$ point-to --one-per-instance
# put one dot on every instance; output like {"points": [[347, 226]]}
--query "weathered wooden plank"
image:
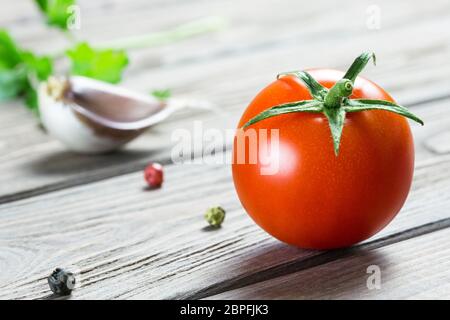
{"points": [[129, 243], [53, 168], [413, 269]]}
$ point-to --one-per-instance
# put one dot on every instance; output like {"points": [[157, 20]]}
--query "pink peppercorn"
{"points": [[153, 174]]}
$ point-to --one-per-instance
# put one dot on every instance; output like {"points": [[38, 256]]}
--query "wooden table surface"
{"points": [[91, 214]]}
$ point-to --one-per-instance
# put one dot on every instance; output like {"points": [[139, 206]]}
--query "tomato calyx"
{"points": [[334, 103]]}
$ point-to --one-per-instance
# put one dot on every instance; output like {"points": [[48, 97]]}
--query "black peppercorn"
{"points": [[61, 282]]}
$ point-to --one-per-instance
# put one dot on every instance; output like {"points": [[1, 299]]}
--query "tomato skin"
{"points": [[316, 199]]}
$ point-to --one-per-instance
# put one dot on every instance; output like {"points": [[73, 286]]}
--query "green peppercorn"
{"points": [[215, 216], [61, 282]]}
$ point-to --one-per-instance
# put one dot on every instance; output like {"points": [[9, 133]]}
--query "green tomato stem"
{"points": [[359, 64], [334, 103], [342, 89]]}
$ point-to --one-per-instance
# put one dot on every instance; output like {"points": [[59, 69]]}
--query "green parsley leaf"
{"points": [[38, 69], [42, 4], [106, 65], [41, 67], [12, 83], [9, 53], [56, 11], [162, 95], [31, 99], [20, 71]]}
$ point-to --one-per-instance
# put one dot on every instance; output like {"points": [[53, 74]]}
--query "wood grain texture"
{"points": [[227, 68], [92, 214], [126, 242], [413, 269]]}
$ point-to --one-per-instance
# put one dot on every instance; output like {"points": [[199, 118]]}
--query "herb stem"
{"points": [[184, 31]]}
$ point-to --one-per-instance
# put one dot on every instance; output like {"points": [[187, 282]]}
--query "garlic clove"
{"points": [[77, 132], [111, 105], [91, 116]]}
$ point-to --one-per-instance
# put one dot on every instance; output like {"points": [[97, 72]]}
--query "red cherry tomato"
{"points": [[317, 199]]}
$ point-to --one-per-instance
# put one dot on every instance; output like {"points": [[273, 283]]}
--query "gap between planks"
{"points": [[317, 260], [100, 174], [107, 174], [133, 167], [145, 262], [413, 269]]}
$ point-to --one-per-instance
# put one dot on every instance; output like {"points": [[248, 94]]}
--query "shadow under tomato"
{"points": [[309, 274]]}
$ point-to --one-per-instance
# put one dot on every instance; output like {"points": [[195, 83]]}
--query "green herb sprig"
{"points": [[21, 70], [56, 12]]}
